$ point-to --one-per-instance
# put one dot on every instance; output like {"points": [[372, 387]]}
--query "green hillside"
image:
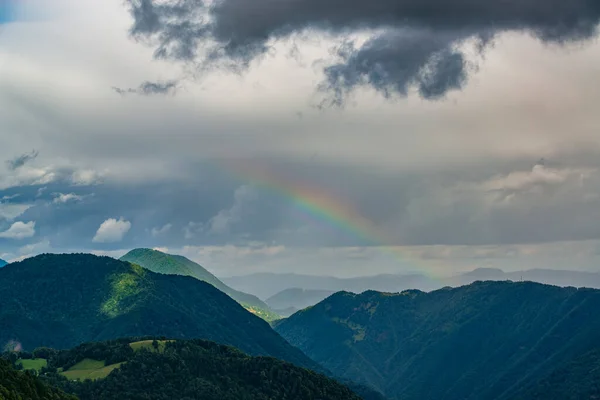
{"points": [[61, 301], [162, 263], [488, 340], [18, 385], [579, 379], [2, 263], [188, 369]]}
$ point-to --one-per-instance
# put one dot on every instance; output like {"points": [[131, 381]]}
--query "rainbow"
{"points": [[322, 206]]}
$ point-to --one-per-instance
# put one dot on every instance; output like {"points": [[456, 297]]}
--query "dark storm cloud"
{"points": [[416, 45], [21, 160], [150, 88], [393, 62]]}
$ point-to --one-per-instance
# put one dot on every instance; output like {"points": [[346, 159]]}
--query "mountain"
{"points": [[265, 285], [547, 276], [577, 380], [488, 340], [16, 385], [162, 263], [61, 301], [289, 301], [2, 263], [158, 369]]}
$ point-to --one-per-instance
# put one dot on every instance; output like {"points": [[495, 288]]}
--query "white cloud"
{"points": [[11, 211], [86, 177], [156, 231], [112, 230], [62, 198], [19, 230], [29, 176], [538, 176]]}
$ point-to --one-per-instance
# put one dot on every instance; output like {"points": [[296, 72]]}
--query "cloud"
{"points": [[86, 177], [61, 198], [112, 230], [64, 172], [192, 229], [412, 43], [19, 230], [21, 160], [10, 211], [539, 176], [244, 196], [150, 88], [159, 231]]}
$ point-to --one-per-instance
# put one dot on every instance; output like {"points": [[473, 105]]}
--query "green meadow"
{"points": [[34, 364], [89, 369]]}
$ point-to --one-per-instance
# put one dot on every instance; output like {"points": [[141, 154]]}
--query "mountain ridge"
{"points": [[163, 263], [3, 263], [60, 301], [266, 285], [482, 341]]}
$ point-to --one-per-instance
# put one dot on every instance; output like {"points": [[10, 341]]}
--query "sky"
{"points": [[304, 136]]}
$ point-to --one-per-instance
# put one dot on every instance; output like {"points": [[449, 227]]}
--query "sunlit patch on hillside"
{"points": [[125, 288]]}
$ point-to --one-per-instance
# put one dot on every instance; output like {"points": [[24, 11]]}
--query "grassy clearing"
{"points": [[267, 315], [89, 369], [147, 344], [34, 364]]}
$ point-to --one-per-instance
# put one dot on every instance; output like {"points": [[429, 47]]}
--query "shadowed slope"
{"points": [[488, 340]]}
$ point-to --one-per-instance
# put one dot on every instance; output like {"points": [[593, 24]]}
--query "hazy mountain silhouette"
{"points": [[289, 301], [265, 285]]}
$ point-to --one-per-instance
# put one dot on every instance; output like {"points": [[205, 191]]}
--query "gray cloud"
{"points": [[21, 160], [416, 44], [150, 88]]}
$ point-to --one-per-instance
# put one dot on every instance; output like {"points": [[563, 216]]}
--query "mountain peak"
{"points": [[102, 298], [402, 344], [170, 264], [2, 263], [485, 272]]}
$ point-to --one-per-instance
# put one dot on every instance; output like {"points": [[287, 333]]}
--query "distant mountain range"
{"points": [[265, 285], [163, 263], [2, 263], [61, 301], [484, 341], [289, 301], [156, 369], [268, 285]]}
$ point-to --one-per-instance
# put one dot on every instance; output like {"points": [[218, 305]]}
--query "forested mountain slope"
{"points": [[488, 340], [18, 385], [187, 369], [61, 301], [163, 263]]}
